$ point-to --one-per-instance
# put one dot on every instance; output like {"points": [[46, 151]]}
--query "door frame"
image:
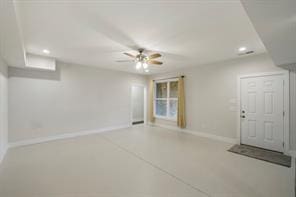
{"points": [[131, 102], [283, 73]]}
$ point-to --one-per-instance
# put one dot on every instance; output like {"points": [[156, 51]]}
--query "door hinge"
{"points": [[283, 113], [283, 144]]}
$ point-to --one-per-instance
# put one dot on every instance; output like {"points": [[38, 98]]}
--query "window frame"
{"points": [[168, 99]]}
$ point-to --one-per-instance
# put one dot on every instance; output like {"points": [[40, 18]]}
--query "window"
{"points": [[166, 99]]}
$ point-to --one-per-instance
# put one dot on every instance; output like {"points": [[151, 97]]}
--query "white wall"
{"points": [[138, 103], [78, 98], [211, 93], [3, 109]]}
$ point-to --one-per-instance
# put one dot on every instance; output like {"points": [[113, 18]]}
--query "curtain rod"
{"points": [[168, 78]]}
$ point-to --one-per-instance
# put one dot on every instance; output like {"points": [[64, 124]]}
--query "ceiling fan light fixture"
{"points": [[138, 65], [142, 60], [145, 65]]}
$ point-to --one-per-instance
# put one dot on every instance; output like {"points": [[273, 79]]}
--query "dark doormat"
{"points": [[262, 154]]}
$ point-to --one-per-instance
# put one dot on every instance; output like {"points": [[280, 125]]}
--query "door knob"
{"points": [[242, 116], [243, 111]]}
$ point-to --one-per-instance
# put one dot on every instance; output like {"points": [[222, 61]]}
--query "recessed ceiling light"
{"points": [[146, 70], [46, 51], [241, 49]]}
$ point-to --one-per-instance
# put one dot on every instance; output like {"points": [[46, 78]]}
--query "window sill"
{"points": [[166, 118]]}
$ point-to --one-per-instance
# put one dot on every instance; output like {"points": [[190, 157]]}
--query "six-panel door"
{"points": [[262, 108]]}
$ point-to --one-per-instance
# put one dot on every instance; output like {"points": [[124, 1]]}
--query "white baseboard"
{"points": [[198, 133], [63, 136]]}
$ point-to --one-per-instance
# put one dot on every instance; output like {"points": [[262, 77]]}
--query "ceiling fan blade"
{"points": [[124, 60], [153, 56], [155, 62], [130, 55]]}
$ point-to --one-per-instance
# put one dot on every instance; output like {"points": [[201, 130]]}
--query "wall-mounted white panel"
{"points": [[40, 62]]}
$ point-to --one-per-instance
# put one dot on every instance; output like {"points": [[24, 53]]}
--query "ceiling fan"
{"points": [[143, 60]]}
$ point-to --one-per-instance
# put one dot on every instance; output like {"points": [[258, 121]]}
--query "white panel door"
{"points": [[262, 112]]}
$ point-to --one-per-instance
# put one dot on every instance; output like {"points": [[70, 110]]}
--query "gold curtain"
{"points": [[181, 121], [151, 98]]}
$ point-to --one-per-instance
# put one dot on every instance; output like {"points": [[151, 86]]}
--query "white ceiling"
{"points": [[275, 22], [96, 33]]}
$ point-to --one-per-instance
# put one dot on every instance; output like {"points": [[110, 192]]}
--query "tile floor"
{"points": [[139, 162]]}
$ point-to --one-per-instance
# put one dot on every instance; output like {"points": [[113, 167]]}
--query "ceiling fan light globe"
{"points": [[138, 65], [145, 65]]}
